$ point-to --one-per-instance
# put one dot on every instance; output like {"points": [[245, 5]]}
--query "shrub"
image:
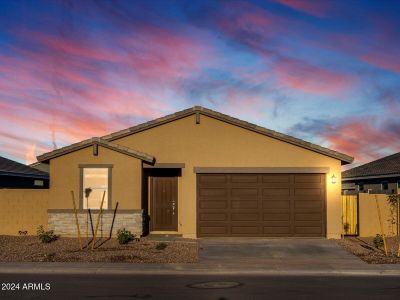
{"points": [[378, 241], [49, 255], [161, 246], [46, 236], [124, 236]]}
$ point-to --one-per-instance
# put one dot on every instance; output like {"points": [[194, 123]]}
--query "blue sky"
{"points": [[324, 71]]}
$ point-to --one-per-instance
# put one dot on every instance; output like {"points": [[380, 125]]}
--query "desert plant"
{"points": [[124, 236], [46, 236], [161, 246], [378, 241], [49, 254]]}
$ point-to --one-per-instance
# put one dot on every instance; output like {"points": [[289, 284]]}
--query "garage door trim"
{"points": [[261, 170]]}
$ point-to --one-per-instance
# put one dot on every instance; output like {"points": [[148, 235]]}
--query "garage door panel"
{"points": [[274, 178], [308, 192], [308, 216], [307, 223], [213, 192], [307, 204], [213, 204], [244, 204], [213, 179], [209, 229], [309, 178], [244, 193], [308, 230], [275, 230], [276, 223], [276, 216], [261, 205], [245, 217], [276, 204], [244, 178], [276, 192], [213, 217], [245, 230]]}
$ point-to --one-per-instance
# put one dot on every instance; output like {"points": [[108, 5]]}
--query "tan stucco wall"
{"points": [[213, 143], [368, 215], [22, 210], [65, 176]]}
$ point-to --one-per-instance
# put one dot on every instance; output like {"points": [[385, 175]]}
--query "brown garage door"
{"points": [[261, 205]]}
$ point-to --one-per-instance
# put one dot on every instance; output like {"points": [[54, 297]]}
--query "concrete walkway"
{"points": [[244, 256]]}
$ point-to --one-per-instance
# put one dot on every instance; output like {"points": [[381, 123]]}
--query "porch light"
{"points": [[333, 179]]}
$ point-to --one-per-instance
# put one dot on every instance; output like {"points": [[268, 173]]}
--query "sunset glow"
{"points": [[322, 71]]}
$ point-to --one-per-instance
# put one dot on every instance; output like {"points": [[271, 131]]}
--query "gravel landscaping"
{"points": [[29, 249], [364, 248]]}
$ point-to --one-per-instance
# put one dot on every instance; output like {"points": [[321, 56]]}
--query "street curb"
{"points": [[184, 270]]}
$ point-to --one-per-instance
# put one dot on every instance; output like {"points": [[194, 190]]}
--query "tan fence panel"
{"points": [[368, 215], [22, 210], [350, 214]]}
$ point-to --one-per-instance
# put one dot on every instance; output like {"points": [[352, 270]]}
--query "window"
{"points": [[97, 180], [360, 187], [385, 186], [398, 184]]}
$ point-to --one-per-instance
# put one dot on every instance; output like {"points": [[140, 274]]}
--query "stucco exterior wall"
{"points": [[214, 143], [22, 210], [65, 177], [368, 215]]}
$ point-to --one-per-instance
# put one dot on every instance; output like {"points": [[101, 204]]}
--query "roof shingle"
{"points": [[384, 166], [13, 168]]}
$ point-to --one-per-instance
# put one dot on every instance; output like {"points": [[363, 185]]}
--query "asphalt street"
{"points": [[198, 287]]}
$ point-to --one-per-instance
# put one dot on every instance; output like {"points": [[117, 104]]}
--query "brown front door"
{"points": [[164, 204]]}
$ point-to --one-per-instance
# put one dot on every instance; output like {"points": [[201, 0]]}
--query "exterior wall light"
{"points": [[333, 179]]}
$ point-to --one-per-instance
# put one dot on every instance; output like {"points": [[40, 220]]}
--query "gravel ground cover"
{"points": [[364, 248], [29, 249]]}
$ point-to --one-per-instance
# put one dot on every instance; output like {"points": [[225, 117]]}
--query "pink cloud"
{"points": [[299, 75], [364, 138], [384, 60], [316, 8]]}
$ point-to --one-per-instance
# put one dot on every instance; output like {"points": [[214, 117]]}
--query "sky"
{"points": [[326, 71]]}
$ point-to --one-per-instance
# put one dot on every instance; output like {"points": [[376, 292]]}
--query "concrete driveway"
{"points": [[276, 254]]}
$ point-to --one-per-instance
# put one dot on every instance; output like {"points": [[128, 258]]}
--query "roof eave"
{"points": [[60, 152], [370, 177]]}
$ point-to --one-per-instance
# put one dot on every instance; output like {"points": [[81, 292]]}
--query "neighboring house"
{"points": [[380, 176], [14, 175], [200, 173], [40, 166]]}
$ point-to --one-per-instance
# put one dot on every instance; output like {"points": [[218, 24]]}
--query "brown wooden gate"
{"points": [[350, 214]]}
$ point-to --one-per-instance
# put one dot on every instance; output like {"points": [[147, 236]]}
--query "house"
{"points": [[381, 176], [199, 173], [14, 175]]}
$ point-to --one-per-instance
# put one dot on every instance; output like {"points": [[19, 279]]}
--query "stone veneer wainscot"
{"points": [[62, 221]]}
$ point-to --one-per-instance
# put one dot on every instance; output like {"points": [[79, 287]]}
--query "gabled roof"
{"points": [[86, 143], [12, 168], [389, 165], [345, 159]]}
